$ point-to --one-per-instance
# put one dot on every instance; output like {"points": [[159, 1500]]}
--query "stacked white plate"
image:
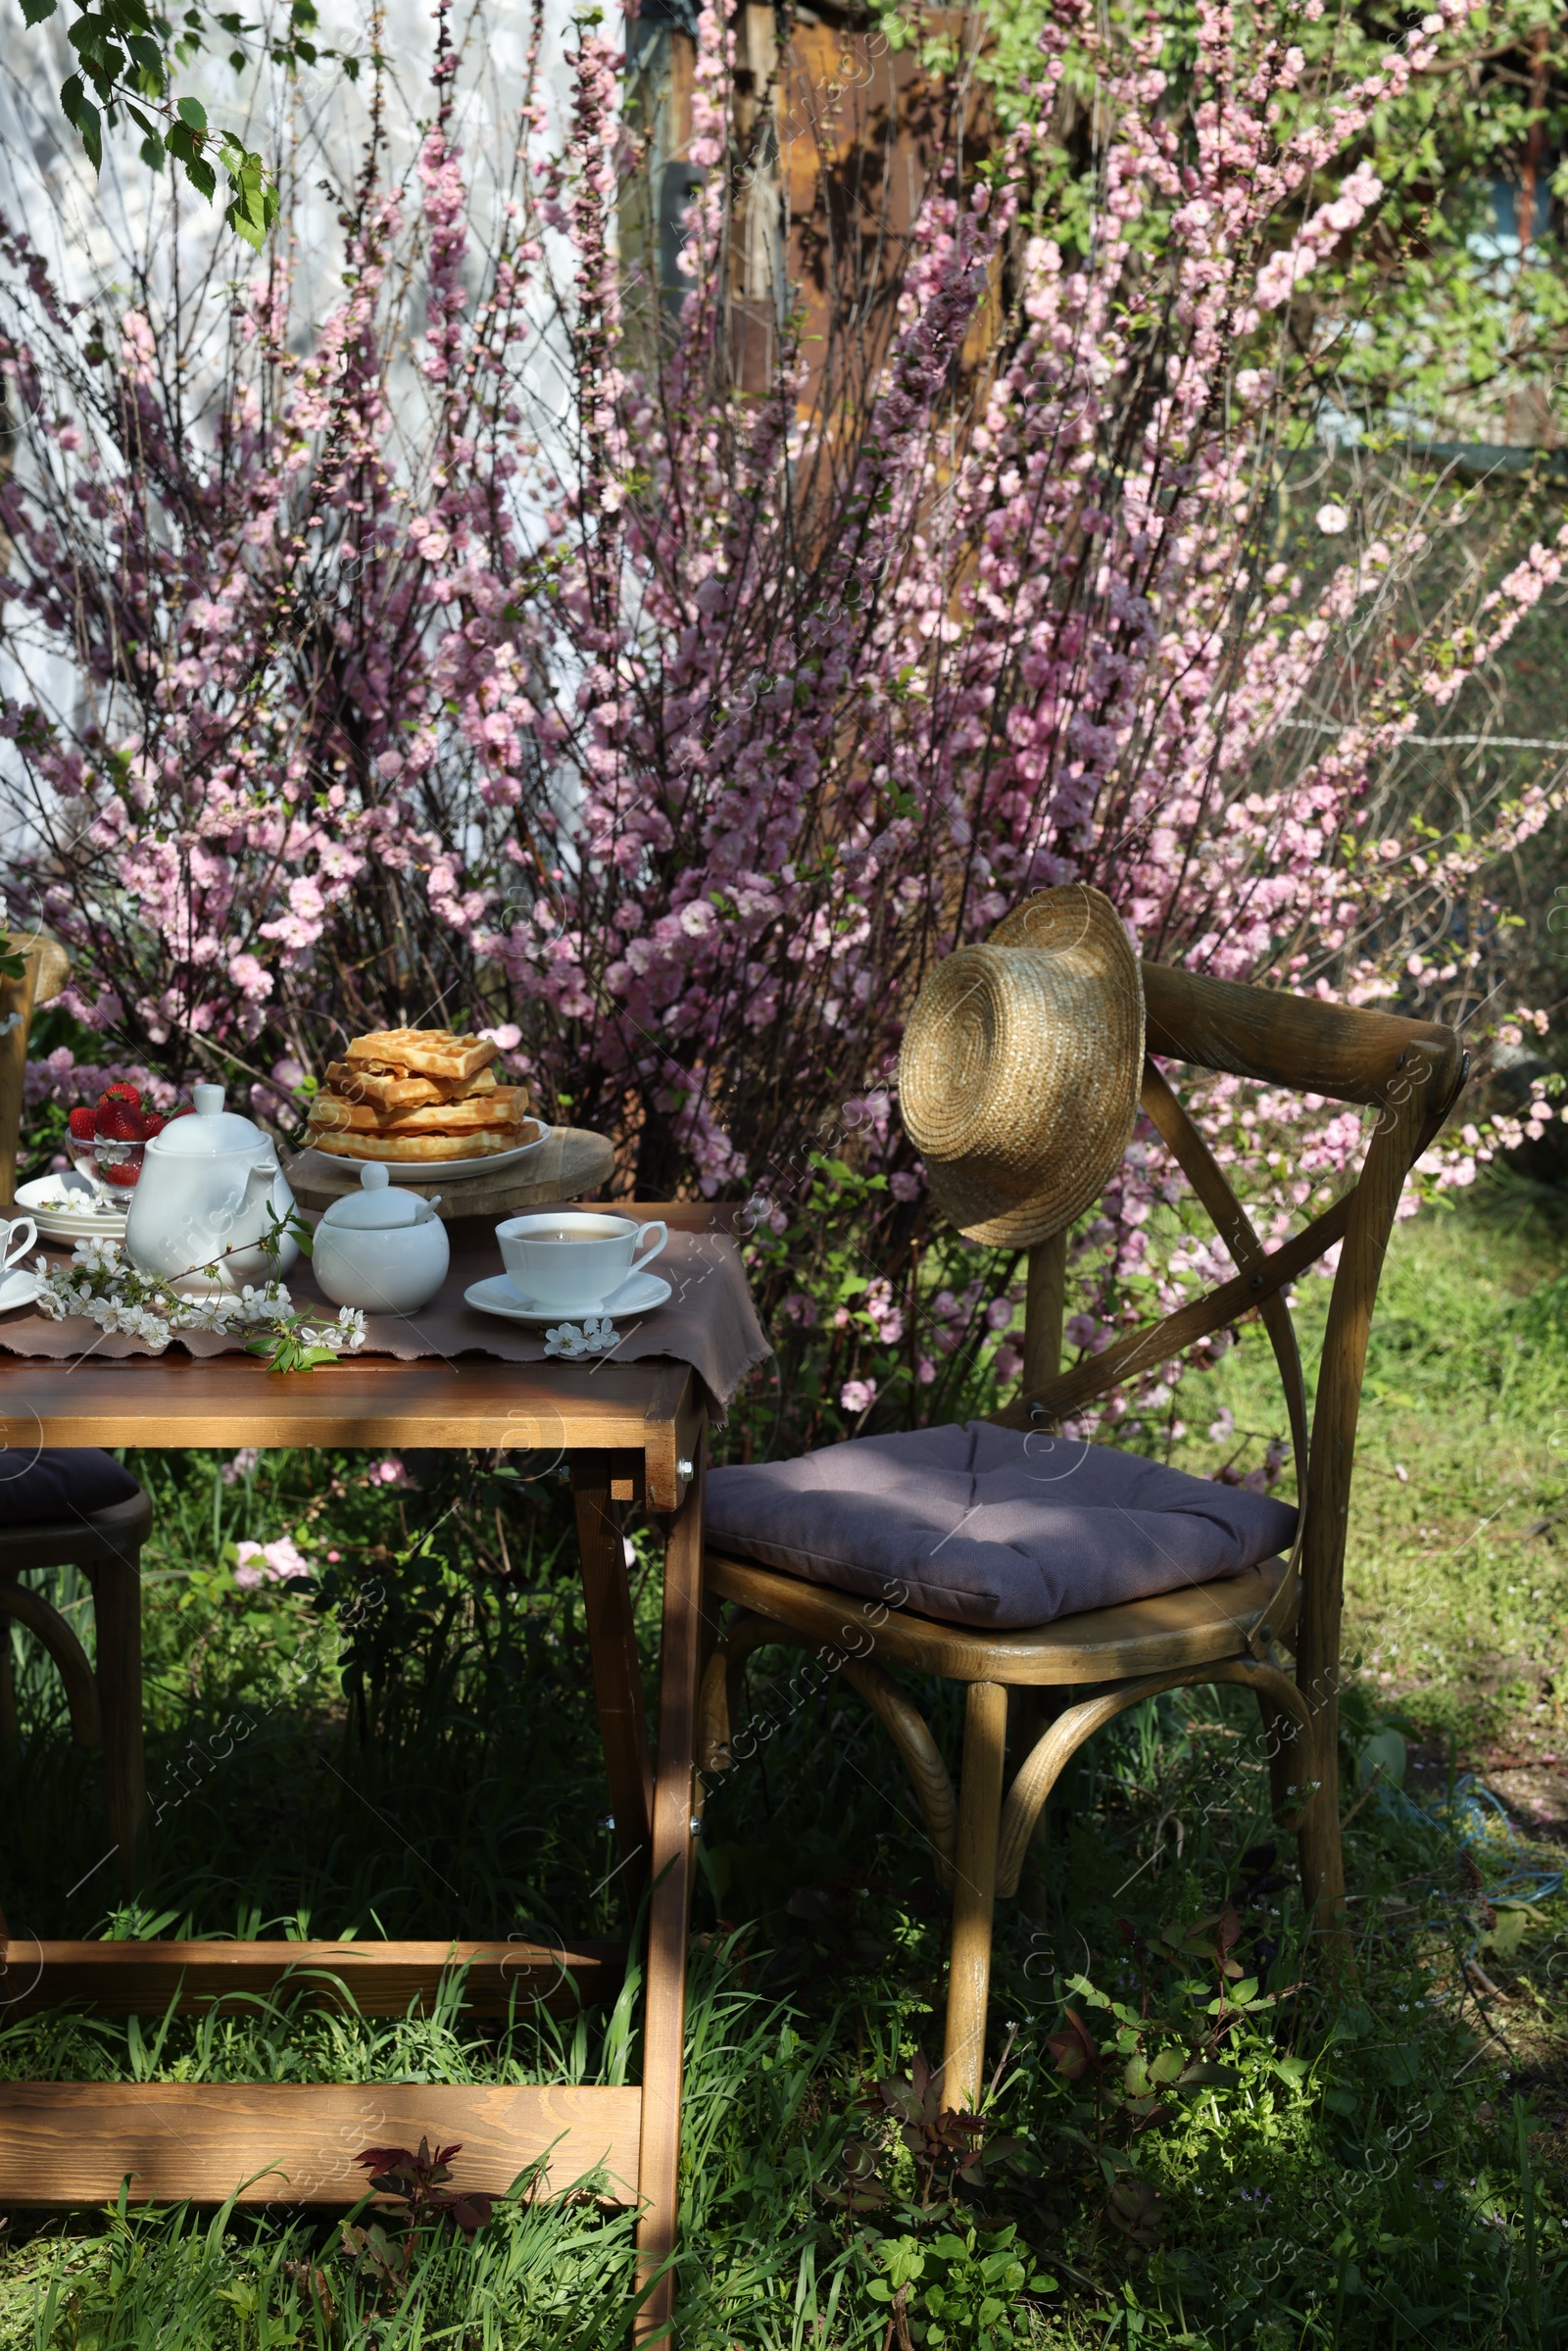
{"points": [[424, 1171], [71, 1208]]}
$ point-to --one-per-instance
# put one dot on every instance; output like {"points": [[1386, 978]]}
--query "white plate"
{"points": [[72, 1224], [638, 1296], [450, 1172], [18, 1288]]}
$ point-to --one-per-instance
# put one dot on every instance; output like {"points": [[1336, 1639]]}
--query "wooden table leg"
{"points": [[617, 1677], [674, 1867]]}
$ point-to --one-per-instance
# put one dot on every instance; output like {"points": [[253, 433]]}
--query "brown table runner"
{"points": [[709, 1321]]}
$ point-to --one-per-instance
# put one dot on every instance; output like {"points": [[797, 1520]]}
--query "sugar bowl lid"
{"points": [[378, 1207]]}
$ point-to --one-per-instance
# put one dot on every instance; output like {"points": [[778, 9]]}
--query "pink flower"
{"points": [[269, 1562], [857, 1396]]}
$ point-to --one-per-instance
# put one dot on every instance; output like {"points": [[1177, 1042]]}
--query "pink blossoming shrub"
{"points": [[670, 745]]}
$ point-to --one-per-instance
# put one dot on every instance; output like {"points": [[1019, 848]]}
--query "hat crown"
{"points": [[1019, 1075]]}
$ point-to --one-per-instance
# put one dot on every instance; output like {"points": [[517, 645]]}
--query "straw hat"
{"points": [[1020, 1076]]}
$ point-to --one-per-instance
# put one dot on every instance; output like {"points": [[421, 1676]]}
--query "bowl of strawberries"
{"points": [[108, 1137]]}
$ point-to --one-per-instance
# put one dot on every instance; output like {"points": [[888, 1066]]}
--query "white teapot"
{"points": [[380, 1248], [210, 1194]]}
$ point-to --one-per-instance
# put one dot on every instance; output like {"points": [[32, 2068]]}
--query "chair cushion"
{"points": [[985, 1526], [68, 1482]]}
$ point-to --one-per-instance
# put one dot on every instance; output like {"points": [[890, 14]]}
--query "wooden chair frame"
{"points": [[1232, 1632], [104, 1705]]}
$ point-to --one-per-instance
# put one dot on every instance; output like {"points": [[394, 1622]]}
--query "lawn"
{"points": [[1176, 2154]]}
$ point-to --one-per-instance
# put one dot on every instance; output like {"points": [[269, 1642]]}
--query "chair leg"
{"points": [[1290, 1761], [985, 1738], [9, 1727], [116, 1611]]}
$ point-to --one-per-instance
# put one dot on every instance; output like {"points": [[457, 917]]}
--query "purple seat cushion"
{"points": [[67, 1482], [985, 1526]]}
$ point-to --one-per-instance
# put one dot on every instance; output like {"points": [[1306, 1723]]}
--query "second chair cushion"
{"points": [[63, 1481], [985, 1526]]}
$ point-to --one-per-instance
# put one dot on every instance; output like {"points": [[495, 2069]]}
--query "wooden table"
{"points": [[628, 1432]]}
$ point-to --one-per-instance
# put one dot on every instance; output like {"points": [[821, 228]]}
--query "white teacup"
{"points": [[572, 1259], [17, 1237]]}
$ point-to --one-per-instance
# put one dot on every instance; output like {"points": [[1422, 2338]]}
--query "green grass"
{"points": [[410, 1752]]}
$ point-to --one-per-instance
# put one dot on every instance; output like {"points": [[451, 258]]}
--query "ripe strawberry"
{"points": [[119, 1092], [122, 1175], [116, 1123], [153, 1122], [80, 1123]]}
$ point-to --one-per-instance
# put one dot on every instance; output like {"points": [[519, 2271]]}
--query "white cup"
{"points": [[17, 1237], [571, 1259]]}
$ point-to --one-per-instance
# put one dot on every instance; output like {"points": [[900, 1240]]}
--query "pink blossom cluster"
{"points": [[672, 744]]}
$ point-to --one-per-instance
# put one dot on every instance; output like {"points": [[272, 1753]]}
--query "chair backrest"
{"points": [[44, 970], [1412, 1070]]}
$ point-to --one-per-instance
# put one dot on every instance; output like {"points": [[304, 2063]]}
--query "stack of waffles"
{"points": [[417, 1093]]}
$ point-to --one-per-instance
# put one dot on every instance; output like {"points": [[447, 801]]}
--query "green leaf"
{"points": [[191, 112], [203, 178], [33, 12], [253, 202], [84, 119], [1206, 2075], [150, 58]]}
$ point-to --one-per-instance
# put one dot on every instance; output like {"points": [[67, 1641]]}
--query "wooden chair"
{"points": [[104, 1705], [1229, 1631]]}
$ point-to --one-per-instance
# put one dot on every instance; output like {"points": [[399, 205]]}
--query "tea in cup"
{"points": [[571, 1259]]}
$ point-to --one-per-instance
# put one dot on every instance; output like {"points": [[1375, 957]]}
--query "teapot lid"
{"points": [[212, 1132], [378, 1205]]}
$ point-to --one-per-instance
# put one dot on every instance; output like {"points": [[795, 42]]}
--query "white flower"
{"points": [[1332, 519], [596, 1337]]}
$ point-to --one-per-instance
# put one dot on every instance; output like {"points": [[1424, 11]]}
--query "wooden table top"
{"points": [[649, 1412]]}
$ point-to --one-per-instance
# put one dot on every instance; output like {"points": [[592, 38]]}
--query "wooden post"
{"points": [[1044, 1306], [674, 1867], [974, 1872], [618, 1674], [44, 975]]}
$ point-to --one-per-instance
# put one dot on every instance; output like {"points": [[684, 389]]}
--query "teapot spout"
{"points": [[259, 1180]]}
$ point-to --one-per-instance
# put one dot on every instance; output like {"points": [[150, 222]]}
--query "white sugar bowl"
{"points": [[380, 1248]]}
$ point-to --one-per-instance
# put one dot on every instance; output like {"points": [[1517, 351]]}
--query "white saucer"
{"points": [[18, 1288], [453, 1171], [497, 1296]]}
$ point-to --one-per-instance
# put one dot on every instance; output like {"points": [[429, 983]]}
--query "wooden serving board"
{"points": [[570, 1162]]}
